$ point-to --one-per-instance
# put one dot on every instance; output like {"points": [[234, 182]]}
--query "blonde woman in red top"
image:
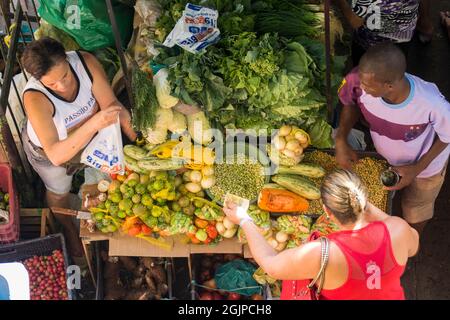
{"points": [[367, 258]]}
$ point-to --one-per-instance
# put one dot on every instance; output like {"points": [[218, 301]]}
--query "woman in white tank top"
{"points": [[68, 100]]}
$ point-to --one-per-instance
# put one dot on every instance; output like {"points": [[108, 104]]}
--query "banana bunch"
{"points": [[194, 154]]}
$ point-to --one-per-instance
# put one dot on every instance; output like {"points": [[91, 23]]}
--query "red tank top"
{"points": [[373, 272]]}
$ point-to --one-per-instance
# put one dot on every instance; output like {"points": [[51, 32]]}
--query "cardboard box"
{"points": [[124, 245], [225, 246], [246, 252]]}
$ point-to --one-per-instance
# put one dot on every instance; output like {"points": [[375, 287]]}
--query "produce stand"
{"points": [[251, 76]]}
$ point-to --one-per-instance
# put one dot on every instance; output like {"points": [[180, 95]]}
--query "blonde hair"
{"points": [[345, 195]]}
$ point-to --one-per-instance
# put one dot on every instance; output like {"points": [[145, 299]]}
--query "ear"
{"points": [[327, 211]]}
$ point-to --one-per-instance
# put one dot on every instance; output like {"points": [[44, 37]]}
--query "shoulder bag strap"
{"points": [[325, 254]]}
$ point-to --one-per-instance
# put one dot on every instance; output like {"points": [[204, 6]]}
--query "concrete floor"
{"points": [[426, 276]]}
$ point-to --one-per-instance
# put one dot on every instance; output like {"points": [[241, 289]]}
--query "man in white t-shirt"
{"points": [[409, 122]]}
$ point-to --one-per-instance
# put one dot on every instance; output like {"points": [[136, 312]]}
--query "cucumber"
{"points": [[156, 164], [299, 185], [310, 170], [133, 165], [134, 152]]}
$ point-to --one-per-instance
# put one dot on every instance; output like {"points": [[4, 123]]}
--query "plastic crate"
{"points": [[9, 232], [23, 250]]}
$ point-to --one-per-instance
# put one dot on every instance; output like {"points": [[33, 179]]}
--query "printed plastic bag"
{"points": [[105, 151], [195, 30]]}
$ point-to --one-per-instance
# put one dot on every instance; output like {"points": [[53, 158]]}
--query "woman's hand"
{"points": [[230, 210], [106, 117]]}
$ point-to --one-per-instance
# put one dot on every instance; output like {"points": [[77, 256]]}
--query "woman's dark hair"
{"points": [[345, 195], [41, 55]]}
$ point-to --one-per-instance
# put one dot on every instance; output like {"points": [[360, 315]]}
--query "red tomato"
{"points": [[212, 232], [134, 230], [146, 230], [113, 176], [207, 241]]}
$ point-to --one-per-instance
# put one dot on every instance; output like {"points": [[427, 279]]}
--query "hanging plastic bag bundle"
{"points": [[195, 30]]}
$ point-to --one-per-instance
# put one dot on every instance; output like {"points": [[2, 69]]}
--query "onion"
{"points": [[102, 197], [193, 187], [289, 153], [196, 176], [208, 170], [229, 233], [187, 176], [208, 182], [298, 152], [103, 185], [281, 246], [301, 137], [279, 143], [228, 224], [281, 236], [284, 130], [272, 242], [293, 145], [289, 138], [220, 228]]}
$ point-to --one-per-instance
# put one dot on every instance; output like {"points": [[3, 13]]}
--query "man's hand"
{"points": [[230, 210], [346, 157], [408, 174]]}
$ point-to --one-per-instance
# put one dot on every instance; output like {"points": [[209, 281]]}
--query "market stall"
{"points": [[230, 97]]}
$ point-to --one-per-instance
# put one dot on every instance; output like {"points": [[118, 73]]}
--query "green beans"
{"points": [[240, 176]]}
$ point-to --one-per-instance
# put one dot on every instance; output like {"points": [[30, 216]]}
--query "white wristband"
{"points": [[243, 216]]}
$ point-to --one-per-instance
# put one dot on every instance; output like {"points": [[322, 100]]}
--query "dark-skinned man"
{"points": [[409, 122]]}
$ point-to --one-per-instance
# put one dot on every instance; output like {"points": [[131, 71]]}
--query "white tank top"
{"points": [[68, 115]]}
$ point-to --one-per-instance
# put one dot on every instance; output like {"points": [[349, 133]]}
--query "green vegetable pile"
{"points": [[267, 70]]}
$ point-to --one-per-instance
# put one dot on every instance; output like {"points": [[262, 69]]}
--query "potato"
{"points": [[129, 263]]}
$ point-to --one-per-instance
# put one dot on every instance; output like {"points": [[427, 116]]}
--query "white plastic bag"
{"points": [[105, 151], [195, 30]]}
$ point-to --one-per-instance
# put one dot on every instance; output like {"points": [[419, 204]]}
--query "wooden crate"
{"points": [[35, 223]]}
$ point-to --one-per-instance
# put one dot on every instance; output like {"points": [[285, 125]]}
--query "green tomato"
{"points": [[162, 175], [104, 230], [132, 183], [116, 197], [122, 214], [139, 209], [198, 203], [161, 202], [176, 207], [112, 228], [136, 198], [108, 203], [106, 222], [140, 189], [99, 216], [201, 235], [146, 200], [156, 211], [101, 205], [125, 204], [158, 185]]}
